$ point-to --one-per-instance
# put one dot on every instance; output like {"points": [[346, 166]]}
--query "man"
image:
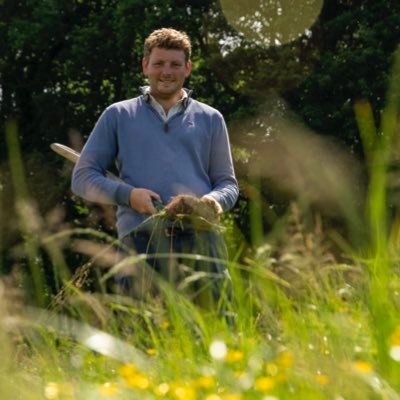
{"points": [[164, 144]]}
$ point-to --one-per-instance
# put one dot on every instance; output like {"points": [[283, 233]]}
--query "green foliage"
{"points": [[356, 41]]}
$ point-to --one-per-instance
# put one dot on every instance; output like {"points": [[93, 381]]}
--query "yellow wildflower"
{"points": [[232, 396], [213, 397], [285, 359], [151, 352], [205, 382], [394, 339], [184, 392], [362, 366], [322, 379], [264, 384], [133, 377], [162, 389], [127, 370], [108, 389], [233, 356], [165, 325], [138, 381]]}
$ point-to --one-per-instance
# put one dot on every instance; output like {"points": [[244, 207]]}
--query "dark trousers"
{"points": [[193, 261]]}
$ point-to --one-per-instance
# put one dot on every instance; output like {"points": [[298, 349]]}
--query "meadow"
{"points": [[314, 315]]}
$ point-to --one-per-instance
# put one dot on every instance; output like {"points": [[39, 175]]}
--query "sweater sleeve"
{"points": [[89, 179], [221, 171]]}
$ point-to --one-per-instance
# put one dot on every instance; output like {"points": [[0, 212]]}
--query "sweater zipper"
{"points": [[166, 126], [165, 123]]}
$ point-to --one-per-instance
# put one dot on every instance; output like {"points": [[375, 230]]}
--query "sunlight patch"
{"points": [[272, 23]]}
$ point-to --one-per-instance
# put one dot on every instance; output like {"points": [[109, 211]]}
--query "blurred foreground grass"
{"points": [[309, 323], [305, 328]]}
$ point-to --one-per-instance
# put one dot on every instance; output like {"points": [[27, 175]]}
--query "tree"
{"points": [[356, 41]]}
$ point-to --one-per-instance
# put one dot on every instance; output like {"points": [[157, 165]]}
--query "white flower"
{"points": [[218, 350], [395, 353]]}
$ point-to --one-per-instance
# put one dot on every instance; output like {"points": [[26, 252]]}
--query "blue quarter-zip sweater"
{"points": [[187, 154]]}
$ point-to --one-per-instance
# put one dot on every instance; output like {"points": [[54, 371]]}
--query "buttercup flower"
{"points": [[213, 397], [151, 352], [127, 370], [233, 356], [165, 325], [232, 396], [264, 384], [205, 382], [362, 366], [394, 339], [184, 392], [138, 381], [285, 359], [322, 379], [108, 389]]}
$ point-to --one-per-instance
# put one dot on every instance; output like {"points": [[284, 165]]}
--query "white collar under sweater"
{"points": [[172, 111]]}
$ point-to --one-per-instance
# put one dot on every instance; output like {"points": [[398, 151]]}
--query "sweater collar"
{"points": [[146, 95]]}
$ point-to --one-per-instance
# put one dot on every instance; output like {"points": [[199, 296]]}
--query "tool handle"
{"points": [[73, 156]]}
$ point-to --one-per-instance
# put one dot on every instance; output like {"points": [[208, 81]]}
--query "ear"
{"points": [[145, 63], [188, 68]]}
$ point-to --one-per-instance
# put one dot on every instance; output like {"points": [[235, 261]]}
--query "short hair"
{"points": [[168, 38]]}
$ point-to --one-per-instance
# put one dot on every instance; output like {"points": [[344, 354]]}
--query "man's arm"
{"points": [[89, 179], [225, 190]]}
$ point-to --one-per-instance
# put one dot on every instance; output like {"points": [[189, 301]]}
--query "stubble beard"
{"points": [[168, 91]]}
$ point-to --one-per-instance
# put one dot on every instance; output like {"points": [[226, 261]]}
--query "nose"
{"points": [[166, 70]]}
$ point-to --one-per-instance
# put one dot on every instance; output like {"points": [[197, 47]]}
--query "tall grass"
{"points": [[304, 322]]}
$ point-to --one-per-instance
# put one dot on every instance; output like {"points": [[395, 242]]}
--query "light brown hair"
{"points": [[168, 38]]}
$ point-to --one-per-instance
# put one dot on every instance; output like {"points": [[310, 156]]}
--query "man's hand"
{"points": [[214, 202], [205, 207], [141, 200]]}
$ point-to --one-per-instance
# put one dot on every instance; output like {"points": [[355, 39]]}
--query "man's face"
{"points": [[166, 71]]}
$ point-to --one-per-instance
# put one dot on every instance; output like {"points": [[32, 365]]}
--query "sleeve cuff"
{"points": [[122, 194]]}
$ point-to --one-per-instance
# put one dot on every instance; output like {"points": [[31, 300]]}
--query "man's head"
{"points": [[166, 63], [170, 39]]}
